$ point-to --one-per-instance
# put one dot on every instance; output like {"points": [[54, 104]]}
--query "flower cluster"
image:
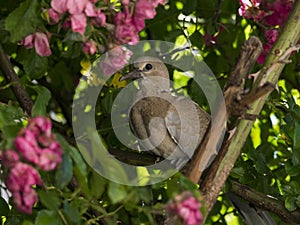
{"points": [[74, 14], [129, 24], [88, 17], [37, 145], [80, 11], [270, 15], [250, 9], [187, 208]]}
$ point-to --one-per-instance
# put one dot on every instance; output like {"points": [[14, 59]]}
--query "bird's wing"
{"points": [[137, 125], [186, 123]]}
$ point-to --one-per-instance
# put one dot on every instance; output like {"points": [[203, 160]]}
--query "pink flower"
{"points": [[99, 20], [123, 17], [139, 24], [41, 44], [53, 16], [125, 2], [125, 31], [76, 6], [279, 11], [250, 9], [144, 9], [271, 35], [187, 208], [157, 2], [114, 60], [22, 175], [128, 25], [28, 41], [40, 124], [59, 6], [25, 199], [27, 145], [90, 47], [38, 145], [90, 10], [78, 23], [9, 158], [50, 158], [39, 41]]}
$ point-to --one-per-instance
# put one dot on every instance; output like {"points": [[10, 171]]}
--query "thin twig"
{"points": [[11, 77]]}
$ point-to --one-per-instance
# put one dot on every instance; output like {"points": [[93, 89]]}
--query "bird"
{"points": [[169, 126]]}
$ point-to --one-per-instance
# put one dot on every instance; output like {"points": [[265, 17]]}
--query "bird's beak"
{"points": [[135, 74]]}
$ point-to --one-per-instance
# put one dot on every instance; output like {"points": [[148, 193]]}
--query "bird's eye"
{"points": [[148, 66]]}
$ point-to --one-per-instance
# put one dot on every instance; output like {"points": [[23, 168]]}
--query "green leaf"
{"points": [[298, 201], [40, 105], [189, 7], [27, 222], [49, 199], [47, 217], [290, 203], [64, 172], [35, 66], [292, 170], [72, 212], [116, 192], [296, 144], [145, 194], [79, 168], [237, 172], [4, 208], [97, 184], [75, 155], [23, 20], [9, 113]]}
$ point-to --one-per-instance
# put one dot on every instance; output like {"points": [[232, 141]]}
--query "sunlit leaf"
{"points": [[116, 192]]}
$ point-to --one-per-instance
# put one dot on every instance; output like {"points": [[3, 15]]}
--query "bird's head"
{"points": [[151, 73], [147, 66]]}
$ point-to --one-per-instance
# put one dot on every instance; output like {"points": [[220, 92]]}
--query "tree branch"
{"points": [[11, 77], [219, 171], [265, 203]]}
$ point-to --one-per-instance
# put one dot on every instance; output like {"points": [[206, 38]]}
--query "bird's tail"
{"points": [[250, 214]]}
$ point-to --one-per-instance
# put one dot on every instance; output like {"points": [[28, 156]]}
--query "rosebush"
{"points": [[46, 47]]}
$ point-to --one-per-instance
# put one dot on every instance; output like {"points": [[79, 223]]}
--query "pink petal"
{"points": [[28, 151], [99, 20], [54, 17], [76, 6], [90, 10], [41, 44], [28, 41], [89, 47], [78, 23], [59, 6], [9, 158]]}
